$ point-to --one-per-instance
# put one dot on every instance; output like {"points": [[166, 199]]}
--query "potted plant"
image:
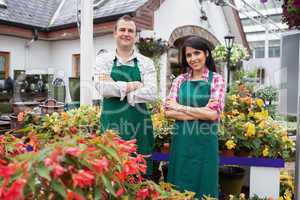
{"points": [[162, 126], [238, 53], [231, 179], [153, 48], [291, 13], [245, 122]]}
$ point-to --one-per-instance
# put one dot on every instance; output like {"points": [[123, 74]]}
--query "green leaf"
{"points": [[25, 156], [79, 192], [43, 171], [97, 195], [59, 188], [108, 185], [110, 151]]}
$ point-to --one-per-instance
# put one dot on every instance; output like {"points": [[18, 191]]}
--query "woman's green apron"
{"points": [[194, 157], [131, 122]]}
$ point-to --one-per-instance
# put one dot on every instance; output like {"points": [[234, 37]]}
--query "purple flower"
{"points": [[263, 1], [29, 148], [296, 3]]}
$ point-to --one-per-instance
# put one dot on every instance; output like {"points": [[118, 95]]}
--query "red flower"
{"points": [[120, 192], [73, 195], [99, 165], [83, 178], [128, 168], [7, 171], [73, 130], [121, 176], [16, 190], [74, 151], [142, 194]]}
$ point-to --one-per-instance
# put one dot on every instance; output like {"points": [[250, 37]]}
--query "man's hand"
{"points": [[105, 77], [131, 86]]}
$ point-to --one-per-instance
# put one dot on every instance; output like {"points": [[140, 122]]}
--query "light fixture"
{"points": [[3, 4], [229, 39]]}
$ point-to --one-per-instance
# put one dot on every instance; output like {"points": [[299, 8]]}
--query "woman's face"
{"points": [[195, 58]]}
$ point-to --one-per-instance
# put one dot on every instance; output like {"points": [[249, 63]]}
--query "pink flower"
{"points": [[47, 162], [84, 178], [58, 170]]}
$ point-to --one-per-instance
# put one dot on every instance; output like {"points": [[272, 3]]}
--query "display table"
{"points": [[72, 105], [264, 172]]}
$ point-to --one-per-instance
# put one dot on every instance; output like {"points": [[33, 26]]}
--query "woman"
{"points": [[195, 101]]}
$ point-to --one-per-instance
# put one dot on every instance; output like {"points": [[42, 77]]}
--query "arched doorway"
{"points": [[176, 41]]}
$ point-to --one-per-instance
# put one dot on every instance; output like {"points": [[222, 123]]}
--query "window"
{"points": [[261, 75], [274, 51], [4, 65], [76, 65], [259, 52]]}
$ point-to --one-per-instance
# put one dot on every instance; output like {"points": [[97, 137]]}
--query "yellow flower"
{"points": [[259, 102], [233, 97], [235, 112], [263, 115], [242, 116], [250, 132], [222, 115], [266, 151], [285, 138], [230, 144], [250, 114], [262, 125], [157, 120], [56, 128]]}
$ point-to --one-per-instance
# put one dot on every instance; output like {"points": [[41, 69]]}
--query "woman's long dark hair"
{"points": [[197, 43]]}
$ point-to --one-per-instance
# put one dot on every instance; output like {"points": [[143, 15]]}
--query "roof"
{"points": [[35, 13], [39, 13]]}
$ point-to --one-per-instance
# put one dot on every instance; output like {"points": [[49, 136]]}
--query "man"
{"points": [[127, 80]]}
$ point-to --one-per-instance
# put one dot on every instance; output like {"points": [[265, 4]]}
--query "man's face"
{"points": [[125, 34]]}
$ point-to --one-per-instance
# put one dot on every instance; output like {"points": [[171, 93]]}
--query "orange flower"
{"points": [[64, 115], [242, 88]]}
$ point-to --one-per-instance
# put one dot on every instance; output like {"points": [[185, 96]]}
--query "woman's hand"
{"points": [[171, 104], [213, 104]]}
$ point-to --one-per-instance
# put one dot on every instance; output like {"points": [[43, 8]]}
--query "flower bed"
{"points": [[61, 157]]}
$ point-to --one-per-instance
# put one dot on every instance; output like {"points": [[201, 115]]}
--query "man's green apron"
{"points": [[194, 157], [131, 122]]}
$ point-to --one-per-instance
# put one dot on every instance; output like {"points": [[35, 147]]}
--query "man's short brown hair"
{"points": [[125, 18]]}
